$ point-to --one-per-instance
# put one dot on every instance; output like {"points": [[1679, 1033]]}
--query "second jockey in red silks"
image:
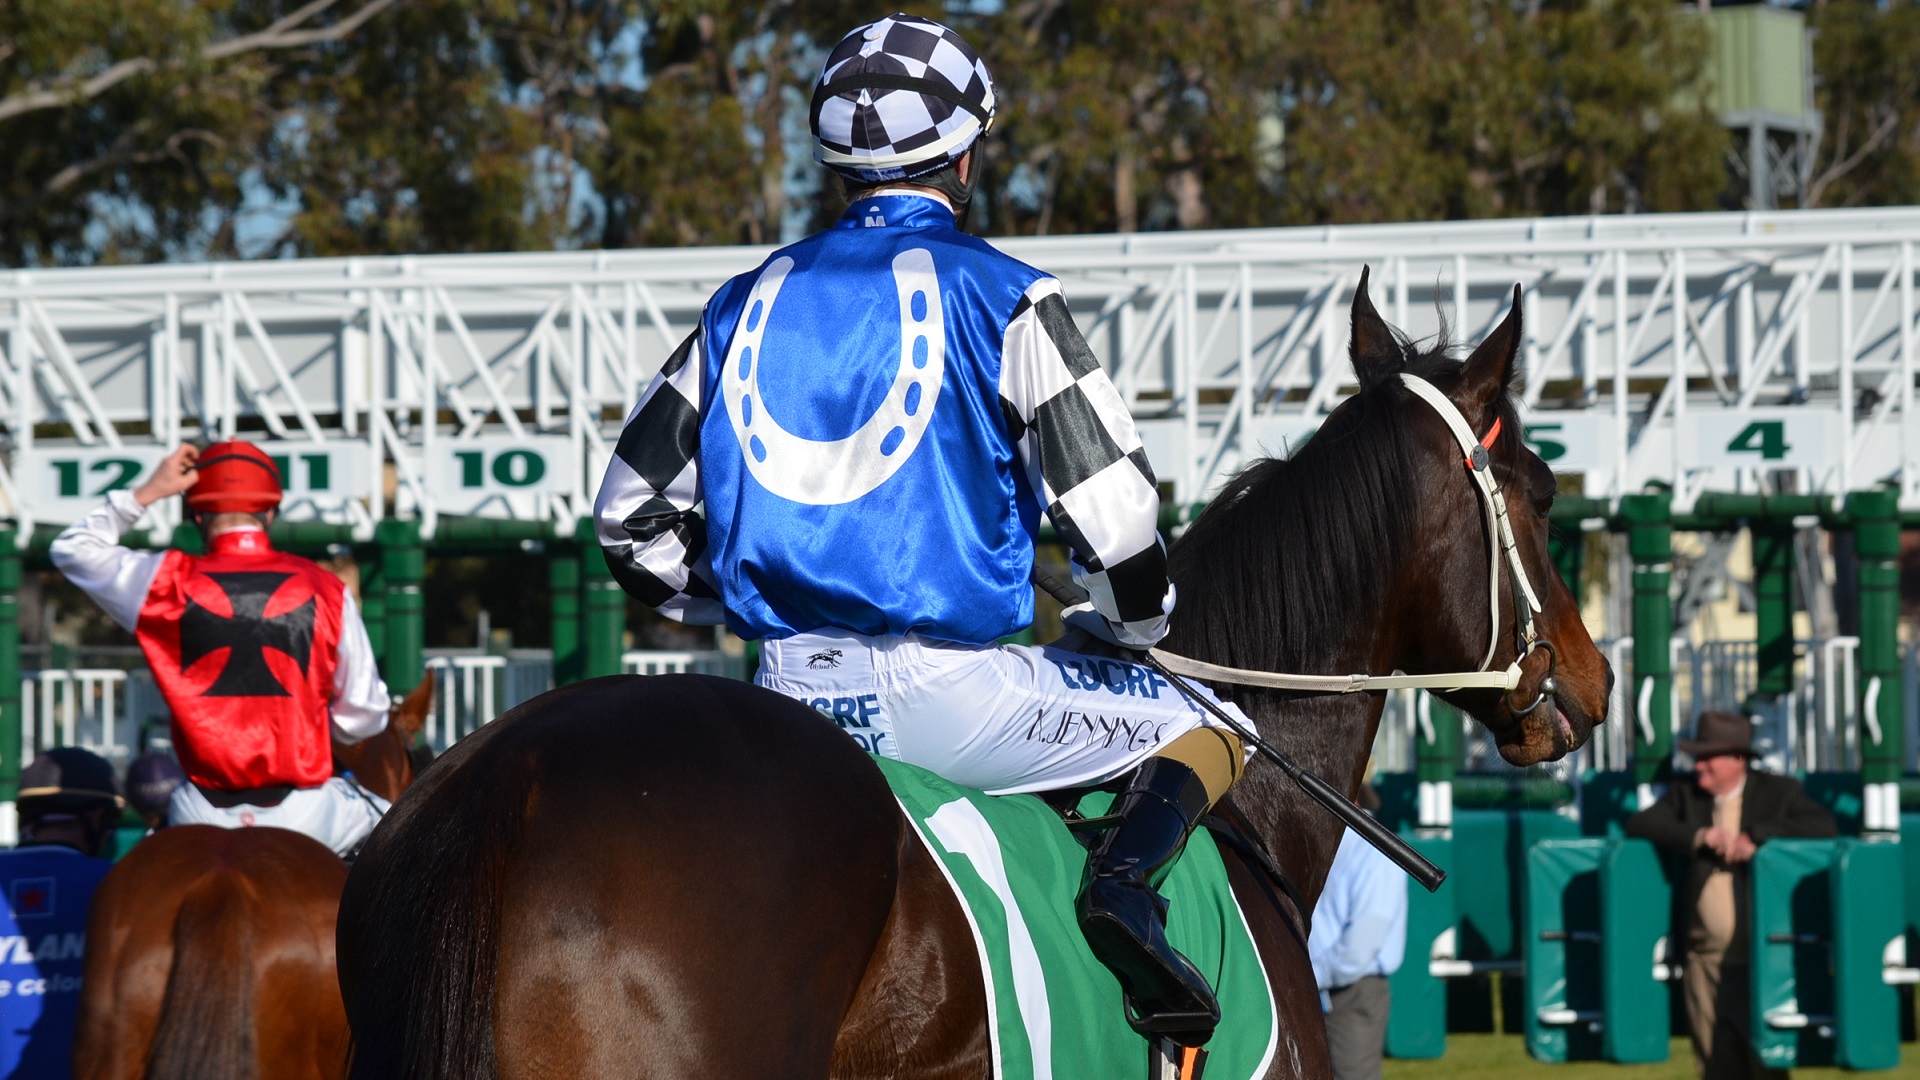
{"points": [[262, 656], [848, 461]]}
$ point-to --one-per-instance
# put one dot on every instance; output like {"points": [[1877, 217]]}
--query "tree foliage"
{"points": [[264, 127], [1867, 59]]}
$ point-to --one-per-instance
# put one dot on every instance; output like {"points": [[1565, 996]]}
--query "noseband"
{"points": [[1500, 541]]}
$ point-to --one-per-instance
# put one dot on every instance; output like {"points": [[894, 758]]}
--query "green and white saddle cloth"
{"points": [[1055, 1011]]}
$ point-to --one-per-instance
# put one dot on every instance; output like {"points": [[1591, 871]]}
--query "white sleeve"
{"points": [[89, 553], [360, 699]]}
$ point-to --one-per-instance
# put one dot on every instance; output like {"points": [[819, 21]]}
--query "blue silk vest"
{"points": [[856, 467]]}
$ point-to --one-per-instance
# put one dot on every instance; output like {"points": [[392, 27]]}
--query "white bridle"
{"points": [[1500, 541]]}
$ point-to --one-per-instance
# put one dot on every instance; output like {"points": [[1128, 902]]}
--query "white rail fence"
{"points": [[1815, 728], [1703, 350], [472, 688], [88, 707]]}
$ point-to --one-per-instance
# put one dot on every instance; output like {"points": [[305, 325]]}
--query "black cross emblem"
{"points": [[247, 633]]}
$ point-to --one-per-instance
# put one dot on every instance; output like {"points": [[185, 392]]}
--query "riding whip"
{"points": [[1385, 840]]}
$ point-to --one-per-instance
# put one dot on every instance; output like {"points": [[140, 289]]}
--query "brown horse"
{"points": [[682, 876], [210, 951]]}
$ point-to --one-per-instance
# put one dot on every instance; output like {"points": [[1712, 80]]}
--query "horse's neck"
{"points": [[1331, 737]]}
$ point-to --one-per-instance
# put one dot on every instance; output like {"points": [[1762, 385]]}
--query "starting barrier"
{"points": [[1595, 935], [1828, 951], [1581, 928]]}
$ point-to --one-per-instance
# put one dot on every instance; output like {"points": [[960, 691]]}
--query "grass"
{"points": [[1496, 1055]]}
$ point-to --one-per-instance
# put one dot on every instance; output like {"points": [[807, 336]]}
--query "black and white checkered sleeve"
{"points": [[1085, 463], [647, 515]]}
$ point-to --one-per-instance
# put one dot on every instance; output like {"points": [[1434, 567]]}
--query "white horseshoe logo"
{"points": [[842, 470]]}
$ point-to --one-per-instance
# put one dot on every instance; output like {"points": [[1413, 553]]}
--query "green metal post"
{"points": [[1649, 519], [373, 600], [1568, 549], [405, 562], [187, 538], [1773, 603], [563, 575], [1436, 760], [12, 739], [1876, 546], [605, 608]]}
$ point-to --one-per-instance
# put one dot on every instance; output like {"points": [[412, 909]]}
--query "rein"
{"points": [[1500, 542]]}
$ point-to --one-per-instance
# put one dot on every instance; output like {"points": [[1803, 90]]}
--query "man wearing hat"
{"points": [[261, 655], [68, 806], [1716, 819]]}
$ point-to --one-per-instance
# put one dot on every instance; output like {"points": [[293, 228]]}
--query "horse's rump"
{"points": [[204, 1026], [592, 879], [202, 952]]}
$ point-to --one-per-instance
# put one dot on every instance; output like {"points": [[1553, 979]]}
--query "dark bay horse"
{"points": [[683, 876], [210, 951]]}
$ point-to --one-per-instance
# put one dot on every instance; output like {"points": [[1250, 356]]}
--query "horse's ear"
{"points": [[1488, 373], [410, 715], [1374, 347]]}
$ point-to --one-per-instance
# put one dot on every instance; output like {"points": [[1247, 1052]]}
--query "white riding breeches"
{"points": [[1002, 718], [339, 814]]}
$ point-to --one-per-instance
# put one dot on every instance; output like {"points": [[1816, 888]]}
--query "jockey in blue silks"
{"points": [[848, 459]]}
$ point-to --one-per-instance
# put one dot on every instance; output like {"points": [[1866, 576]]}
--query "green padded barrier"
{"points": [[1399, 800], [1417, 1019], [1490, 848], [1791, 942], [1562, 935], [1867, 918], [1636, 914], [1607, 800], [1910, 858], [1840, 794]]}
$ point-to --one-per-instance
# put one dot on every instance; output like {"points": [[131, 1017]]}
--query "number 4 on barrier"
{"points": [[1768, 438]]}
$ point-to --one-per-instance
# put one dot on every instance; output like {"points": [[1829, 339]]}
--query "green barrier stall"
{"points": [[1595, 937], [1636, 914], [1826, 940], [1417, 1022], [1561, 938]]}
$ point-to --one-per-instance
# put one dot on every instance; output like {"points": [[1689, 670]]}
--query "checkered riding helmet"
{"points": [[899, 98]]}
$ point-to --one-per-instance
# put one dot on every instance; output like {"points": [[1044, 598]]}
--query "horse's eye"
{"points": [[1543, 504]]}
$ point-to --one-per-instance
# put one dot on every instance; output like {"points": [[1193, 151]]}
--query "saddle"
{"points": [[1015, 864]]}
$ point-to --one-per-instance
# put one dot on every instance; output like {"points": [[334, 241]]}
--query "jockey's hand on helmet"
{"points": [[170, 477]]}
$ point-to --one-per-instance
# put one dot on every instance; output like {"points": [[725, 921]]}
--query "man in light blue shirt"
{"points": [[1359, 936]]}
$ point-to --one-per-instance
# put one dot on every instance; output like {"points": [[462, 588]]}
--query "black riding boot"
{"points": [[1125, 920]]}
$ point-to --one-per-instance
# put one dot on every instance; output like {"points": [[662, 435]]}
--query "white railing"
{"points": [[1396, 743], [1815, 728], [711, 662], [86, 707], [1829, 713], [1703, 350], [473, 688], [464, 696], [1611, 748]]}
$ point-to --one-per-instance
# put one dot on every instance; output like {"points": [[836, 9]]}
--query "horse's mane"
{"points": [[1293, 548]]}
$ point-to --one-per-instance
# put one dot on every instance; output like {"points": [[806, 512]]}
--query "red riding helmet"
{"points": [[234, 477]]}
